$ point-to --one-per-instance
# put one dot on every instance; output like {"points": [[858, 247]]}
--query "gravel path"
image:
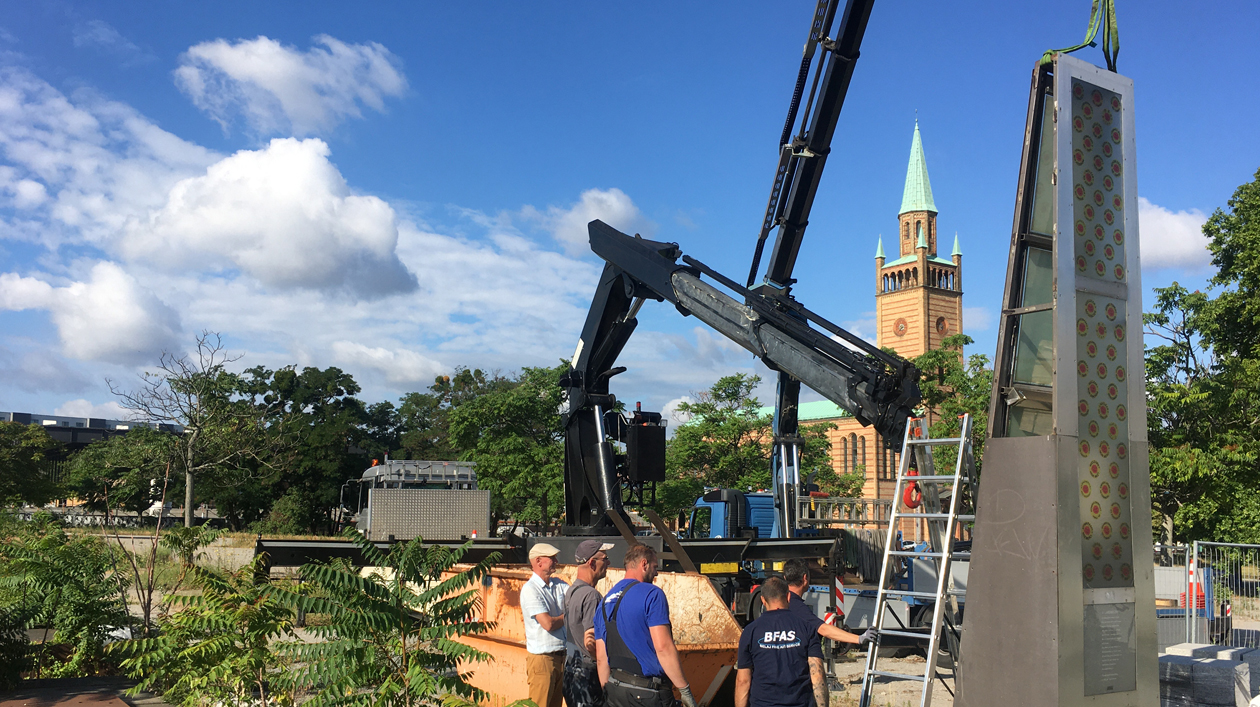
{"points": [[901, 693]]}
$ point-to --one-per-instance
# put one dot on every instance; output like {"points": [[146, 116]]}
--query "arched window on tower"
{"points": [[853, 452]]}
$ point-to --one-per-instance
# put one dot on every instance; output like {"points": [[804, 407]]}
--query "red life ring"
{"points": [[913, 497]]}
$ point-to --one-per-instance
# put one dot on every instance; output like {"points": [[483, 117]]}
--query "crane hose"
{"points": [[1102, 15]]}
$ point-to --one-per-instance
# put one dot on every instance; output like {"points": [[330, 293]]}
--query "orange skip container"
{"points": [[705, 632]]}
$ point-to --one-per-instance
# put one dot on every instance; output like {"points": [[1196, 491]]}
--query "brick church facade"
{"points": [[918, 302]]}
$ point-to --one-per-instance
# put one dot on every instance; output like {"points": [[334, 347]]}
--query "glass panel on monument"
{"points": [[1034, 349], [1043, 195], [1038, 277]]}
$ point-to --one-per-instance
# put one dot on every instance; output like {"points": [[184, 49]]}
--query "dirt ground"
{"points": [[900, 693]]}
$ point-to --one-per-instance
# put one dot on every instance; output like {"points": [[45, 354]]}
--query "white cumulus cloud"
{"points": [[79, 168], [278, 88], [1172, 239], [675, 416], [398, 366], [109, 317], [285, 216], [82, 407], [568, 225]]}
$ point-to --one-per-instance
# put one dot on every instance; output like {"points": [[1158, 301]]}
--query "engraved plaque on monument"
{"points": [[1059, 609]]}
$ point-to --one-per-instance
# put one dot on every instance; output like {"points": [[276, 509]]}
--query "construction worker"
{"points": [[634, 645], [542, 607], [581, 677], [780, 660], [796, 573]]}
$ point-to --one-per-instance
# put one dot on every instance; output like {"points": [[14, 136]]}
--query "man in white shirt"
{"points": [[542, 606]]}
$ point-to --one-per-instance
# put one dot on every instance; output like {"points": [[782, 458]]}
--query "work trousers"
{"points": [[543, 673], [581, 682], [620, 694]]}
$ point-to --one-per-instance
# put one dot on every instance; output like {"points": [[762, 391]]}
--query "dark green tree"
{"points": [[726, 443], [224, 437], [322, 425], [513, 433], [425, 418], [382, 431], [1203, 389], [125, 472], [23, 450], [952, 387]]}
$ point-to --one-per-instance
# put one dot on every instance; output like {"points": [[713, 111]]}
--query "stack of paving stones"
{"points": [[1201, 675]]}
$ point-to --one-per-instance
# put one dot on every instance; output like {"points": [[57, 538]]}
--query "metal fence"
{"points": [[1221, 596]]}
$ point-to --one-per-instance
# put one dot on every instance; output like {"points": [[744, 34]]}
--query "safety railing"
{"points": [[1222, 594], [826, 511]]}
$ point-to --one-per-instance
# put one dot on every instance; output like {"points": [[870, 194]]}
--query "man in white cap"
{"points": [[542, 606], [581, 678]]}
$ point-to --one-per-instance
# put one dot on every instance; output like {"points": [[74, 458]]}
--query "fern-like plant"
{"points": [[218, 648], [392, 634], [70, 587]]}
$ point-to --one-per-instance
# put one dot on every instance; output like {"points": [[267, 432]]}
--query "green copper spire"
{"points": [[918, 194], [879, 251], [922, 241], [957, 250]]}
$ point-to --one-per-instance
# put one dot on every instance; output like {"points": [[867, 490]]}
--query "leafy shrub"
{"points": [[15, 647], [391, 634], [68, 585], [217, 649]]}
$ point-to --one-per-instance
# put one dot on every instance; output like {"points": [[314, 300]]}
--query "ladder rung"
{"points": [[905, 634], [916, 553], [933, 516], [937, 479], [899, 676], [933, 442], [916, 595]]}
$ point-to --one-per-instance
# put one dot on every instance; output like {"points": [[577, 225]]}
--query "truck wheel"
{"points": [[754, 605]]}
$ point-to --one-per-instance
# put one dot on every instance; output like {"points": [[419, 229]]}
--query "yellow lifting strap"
{"points": [[1102, 15]]}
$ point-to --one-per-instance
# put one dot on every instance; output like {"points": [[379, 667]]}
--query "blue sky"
{"points": [[400, 188]]}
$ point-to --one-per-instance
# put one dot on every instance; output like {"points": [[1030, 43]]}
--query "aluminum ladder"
{"points": [[942, 521]]}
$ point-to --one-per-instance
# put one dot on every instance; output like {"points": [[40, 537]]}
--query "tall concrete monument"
{"points": [[1060, 606]]}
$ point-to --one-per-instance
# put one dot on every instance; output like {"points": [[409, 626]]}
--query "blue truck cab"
{"points": [[726, 513]]}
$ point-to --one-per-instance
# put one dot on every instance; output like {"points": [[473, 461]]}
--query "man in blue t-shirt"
{"points": [[635, 654], [780, 657]]}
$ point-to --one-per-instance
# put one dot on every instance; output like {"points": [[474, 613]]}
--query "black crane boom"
{"points": [[878, 388]]}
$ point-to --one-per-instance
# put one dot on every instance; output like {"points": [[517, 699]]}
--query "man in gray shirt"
{"points": [[580, 685]]}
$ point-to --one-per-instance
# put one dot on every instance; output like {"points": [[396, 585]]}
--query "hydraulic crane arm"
{"points": [[878, 388], [803, 155]]}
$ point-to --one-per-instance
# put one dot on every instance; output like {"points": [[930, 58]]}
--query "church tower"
{"points": [[918, 295]]}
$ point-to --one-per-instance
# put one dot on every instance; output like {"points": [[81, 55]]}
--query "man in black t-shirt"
{"points": [[780, 657], [796, 572]]}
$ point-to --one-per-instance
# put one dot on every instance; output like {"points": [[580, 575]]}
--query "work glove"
{"points": [[867, 637], [688, 700]]}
